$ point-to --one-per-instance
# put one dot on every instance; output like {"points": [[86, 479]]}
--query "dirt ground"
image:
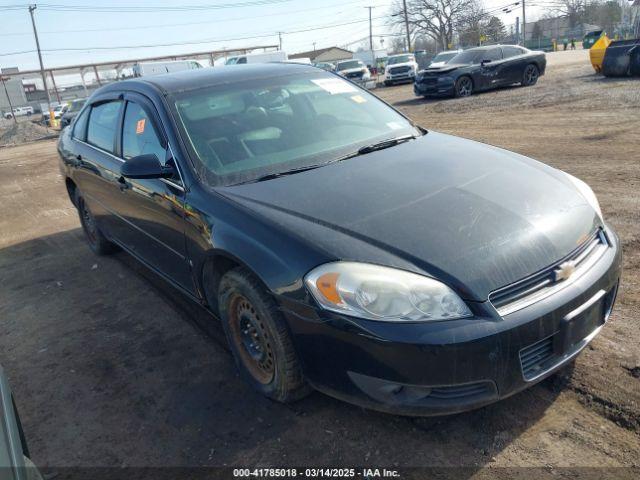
{"points": [[111, 367]]}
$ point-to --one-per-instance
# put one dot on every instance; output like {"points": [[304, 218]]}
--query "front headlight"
{"points": [[587, 193], [381, 293]]}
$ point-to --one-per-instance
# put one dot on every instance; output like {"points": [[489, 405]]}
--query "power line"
{"points": [[146, 8], [195, 42], [186, 24]]}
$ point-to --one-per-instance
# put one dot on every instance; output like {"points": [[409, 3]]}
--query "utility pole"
{"points": [[370, 29], [314, 46], [524, 26], [280, 40], [406, 24], [13, 114], [42, 72]]}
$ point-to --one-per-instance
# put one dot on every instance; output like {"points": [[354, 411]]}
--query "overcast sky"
{"points": [[202, 24]]}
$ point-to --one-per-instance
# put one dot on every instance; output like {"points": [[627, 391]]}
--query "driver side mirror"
{"points": [[145, 166]]}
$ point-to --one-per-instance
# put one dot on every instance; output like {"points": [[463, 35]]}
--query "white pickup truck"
{"points": [[19, 112]]}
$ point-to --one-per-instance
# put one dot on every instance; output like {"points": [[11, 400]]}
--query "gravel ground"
{"points": [[23, 132], [111, 367]]}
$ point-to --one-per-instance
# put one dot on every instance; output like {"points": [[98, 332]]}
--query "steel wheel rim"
{"points": [[531, 75], [465, 87], [252, 339], [89, 224]]}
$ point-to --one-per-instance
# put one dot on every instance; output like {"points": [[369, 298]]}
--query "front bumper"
{"points": [[452, 366], [434, 89], [400, 77]]}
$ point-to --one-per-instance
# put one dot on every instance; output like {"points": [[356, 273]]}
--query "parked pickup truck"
{"points": [[19, 112]]}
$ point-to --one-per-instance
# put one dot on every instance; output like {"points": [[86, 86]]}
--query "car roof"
{"points": [[489, 47], [211, 76]]}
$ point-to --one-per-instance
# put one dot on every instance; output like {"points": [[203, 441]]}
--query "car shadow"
{"points": [[102, 352], [436, 100]]}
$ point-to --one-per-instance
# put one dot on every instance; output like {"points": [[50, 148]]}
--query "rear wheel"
{"points": [[97, 241], [259, 338], [530, 75], [464, 87]]}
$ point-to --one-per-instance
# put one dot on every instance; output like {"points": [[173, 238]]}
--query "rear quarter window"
{"points": [[512, 51], [80, 126]]}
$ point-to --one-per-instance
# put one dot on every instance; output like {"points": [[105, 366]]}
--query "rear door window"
{"points": [[103, 124]]}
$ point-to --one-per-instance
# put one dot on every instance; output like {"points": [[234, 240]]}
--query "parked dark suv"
{"points": [[341, 246]]}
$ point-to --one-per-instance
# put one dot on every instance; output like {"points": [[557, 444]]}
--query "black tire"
{"points": [[464, 87], [259, 338], [98, 243], [530, 75]]}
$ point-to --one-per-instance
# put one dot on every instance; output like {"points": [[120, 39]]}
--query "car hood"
{"points": [[444, 68], [476, 217], [351, 70], [405, 64]]}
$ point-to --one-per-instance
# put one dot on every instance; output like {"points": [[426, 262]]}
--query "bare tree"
{"points": [[436, 19], [572, 9]]}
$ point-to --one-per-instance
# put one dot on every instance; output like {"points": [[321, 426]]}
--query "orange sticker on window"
{"points": [[140, 126]]}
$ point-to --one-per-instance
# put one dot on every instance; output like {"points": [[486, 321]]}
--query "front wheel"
{"points": [[97, 241], [464, 87], [259, 338], [530, 75]]}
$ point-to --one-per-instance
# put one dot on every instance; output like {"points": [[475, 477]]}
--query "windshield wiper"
{"points": [[361, 151], [385, 144], [270, 176]]}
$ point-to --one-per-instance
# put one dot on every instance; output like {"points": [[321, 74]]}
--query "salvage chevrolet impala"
{"points": [[341, 246]]}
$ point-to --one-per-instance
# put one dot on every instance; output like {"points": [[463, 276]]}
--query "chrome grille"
{"points": [[546, 282], [397, 70]]}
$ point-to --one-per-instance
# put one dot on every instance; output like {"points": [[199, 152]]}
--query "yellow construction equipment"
{"points": [[596, 52]]}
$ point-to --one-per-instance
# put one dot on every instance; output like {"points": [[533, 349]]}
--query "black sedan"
{"points": [[341, 246], [479, 69]]}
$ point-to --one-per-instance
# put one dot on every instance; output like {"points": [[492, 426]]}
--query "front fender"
{"points": [[219, 230]]}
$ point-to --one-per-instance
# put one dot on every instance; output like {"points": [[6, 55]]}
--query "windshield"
{"points": [[244, 130], [468, 56], [400, 59], [444, 57], [348, 65]]}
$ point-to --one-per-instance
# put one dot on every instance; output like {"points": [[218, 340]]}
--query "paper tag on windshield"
{"points": [[335, 85]]}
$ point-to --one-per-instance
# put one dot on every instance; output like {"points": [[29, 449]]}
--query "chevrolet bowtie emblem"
{"points": [[564, 271]]}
